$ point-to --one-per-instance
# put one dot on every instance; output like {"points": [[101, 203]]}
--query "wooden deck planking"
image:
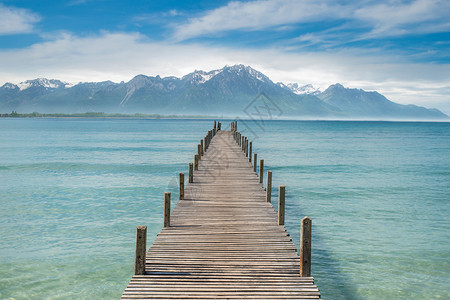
{"points": [[224, 241]]}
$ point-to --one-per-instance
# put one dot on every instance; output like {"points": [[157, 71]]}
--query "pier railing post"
{"points": [[205, 144], [201, 147], [167, 209], [191, 173], [181, 186], [255, 156], [141, 248], [305, 247], [199, 151], [281, 195], [196, 162], [250, 153], [269, 186], [246, 147], [261, 170]]}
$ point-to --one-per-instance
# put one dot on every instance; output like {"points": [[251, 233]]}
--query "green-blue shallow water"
{"points": [[73, 190]]}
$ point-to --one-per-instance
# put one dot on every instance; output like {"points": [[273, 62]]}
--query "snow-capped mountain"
{"points": [[199, 77], [306, 89], [231, 91], [38, 83]]}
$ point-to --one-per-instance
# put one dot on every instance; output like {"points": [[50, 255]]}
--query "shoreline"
{"points": [[101, 115]]}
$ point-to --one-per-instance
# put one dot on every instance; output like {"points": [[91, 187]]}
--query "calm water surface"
{"points": [[73, 190]]}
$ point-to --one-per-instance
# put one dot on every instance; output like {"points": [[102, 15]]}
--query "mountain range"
{"points": [[229, 91]]}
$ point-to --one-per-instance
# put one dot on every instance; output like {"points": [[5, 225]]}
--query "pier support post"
{"points": [[167, 209], [305, 247], [214, 125], [250, 153], [181, 186], [191, 173], [196, 162], [261, 170], [199, 151], [269, 186], [281, 194], [141, 248], [255, 156]]}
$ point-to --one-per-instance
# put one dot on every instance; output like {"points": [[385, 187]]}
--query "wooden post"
{"points": [[201, 147], [281, 192], [141, 248], [246, 147], [305, 247], [235, 125], [250, 153], [196, 162], [269, 186], [261, 170], [255, 156], [243, 143], [199, 151], [191, 173], [214, 125], [181, 186], [167, 209]]}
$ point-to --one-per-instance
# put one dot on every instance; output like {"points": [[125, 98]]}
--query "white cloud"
{"points": [[120, 56], [399, 18], [16, 20], [376, 18], [257, 15]]}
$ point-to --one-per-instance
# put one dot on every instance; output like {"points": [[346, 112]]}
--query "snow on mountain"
{"points": [[199, 77], [238, 69], [307, 89], [10, 86], [43, 82]]}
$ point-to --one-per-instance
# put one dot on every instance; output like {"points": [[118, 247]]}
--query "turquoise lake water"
{"points": [[73, 190]]}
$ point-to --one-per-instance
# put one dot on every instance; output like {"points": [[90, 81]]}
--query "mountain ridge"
{"points": [[227, 91]]}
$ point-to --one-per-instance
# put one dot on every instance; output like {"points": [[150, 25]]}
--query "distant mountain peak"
{"points": [[44, 83], [10, 86], [199, 77], [307, 89], [337, 86]]}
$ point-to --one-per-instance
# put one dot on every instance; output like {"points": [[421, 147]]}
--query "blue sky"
{"points": [[399, 48]]}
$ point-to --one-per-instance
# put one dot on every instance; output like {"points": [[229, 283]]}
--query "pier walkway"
{"points": [[223, 241]]}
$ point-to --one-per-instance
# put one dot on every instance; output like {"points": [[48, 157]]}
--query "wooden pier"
{"points": [[223, 240]]}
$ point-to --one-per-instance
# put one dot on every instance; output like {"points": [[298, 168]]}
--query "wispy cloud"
{"points": [[373, 19], [15, 20], [400, 18], [258, 15]]}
